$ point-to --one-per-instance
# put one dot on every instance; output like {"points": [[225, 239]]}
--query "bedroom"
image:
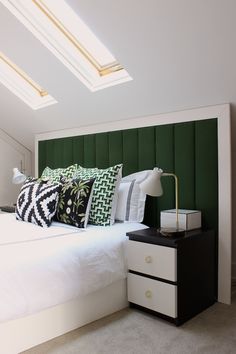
{"points": [[180, 56]]}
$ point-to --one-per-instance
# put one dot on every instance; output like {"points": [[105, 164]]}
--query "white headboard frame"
{"points": [[222, 113]]}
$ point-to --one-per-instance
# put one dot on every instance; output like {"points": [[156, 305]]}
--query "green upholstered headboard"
{"points": [[187, 149]]}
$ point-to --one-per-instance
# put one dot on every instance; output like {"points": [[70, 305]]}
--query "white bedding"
{"points": [[15, 231], [40, 268]]}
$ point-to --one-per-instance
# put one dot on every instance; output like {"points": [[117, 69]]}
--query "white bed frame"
{"points": [[27, 332]]}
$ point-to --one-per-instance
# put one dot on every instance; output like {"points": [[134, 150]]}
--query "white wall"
{"points": [[233, 139], [12, 154]]}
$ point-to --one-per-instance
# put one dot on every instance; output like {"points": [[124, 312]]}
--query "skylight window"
{"points": [[17, 81], [61, 30]]}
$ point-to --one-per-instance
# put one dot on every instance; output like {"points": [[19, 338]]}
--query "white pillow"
{"points": [[131, 199], [115, 197]]}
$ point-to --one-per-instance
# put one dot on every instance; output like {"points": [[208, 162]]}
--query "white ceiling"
{"points": [[180, 53]]}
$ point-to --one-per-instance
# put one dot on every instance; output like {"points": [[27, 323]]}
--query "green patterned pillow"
{"points": [[105, 192], [54, 175]]}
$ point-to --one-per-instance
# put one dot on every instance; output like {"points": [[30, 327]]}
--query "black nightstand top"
{"points": [[152, 235]]}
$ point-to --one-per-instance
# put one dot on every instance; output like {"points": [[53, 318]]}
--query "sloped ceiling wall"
{"points": [[181, 54]]}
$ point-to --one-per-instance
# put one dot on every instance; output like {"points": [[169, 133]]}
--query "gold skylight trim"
{"points": [[23, 75], [102, 70], [62, 31]]}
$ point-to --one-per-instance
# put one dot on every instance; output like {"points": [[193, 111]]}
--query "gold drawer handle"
{"points": [[148, 259], [148, 294]]}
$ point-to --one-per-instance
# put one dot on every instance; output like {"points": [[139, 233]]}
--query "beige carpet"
{"points": [[134, 332]]}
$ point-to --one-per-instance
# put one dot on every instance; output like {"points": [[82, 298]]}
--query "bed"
{"points": [[204, 166], [72, 276], [194, 143]]}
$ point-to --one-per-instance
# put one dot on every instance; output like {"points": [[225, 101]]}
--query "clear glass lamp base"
{"points": [[171, 232]]}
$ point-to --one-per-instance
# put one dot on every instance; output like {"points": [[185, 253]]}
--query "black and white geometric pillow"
{"points": [[37, 202], [75, 202]]}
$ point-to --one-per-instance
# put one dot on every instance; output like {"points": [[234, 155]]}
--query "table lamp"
{"points": [[18, 177], [152, 186]]}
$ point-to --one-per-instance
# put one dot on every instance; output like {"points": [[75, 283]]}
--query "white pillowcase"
{"points": [[115, 197], [131, 199]]}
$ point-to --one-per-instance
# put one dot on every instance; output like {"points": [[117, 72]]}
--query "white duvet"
{"points": [[43, 267]]}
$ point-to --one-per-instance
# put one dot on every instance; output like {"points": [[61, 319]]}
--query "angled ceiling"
{"points": [[181, 54]]}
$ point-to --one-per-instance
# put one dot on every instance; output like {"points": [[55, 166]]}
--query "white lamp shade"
{"points": [[18, 177], [152, 185]]}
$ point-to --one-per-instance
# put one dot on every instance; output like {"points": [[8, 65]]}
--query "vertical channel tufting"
{"points": [[57, 153], [184, 163], [146, 148], [207, 172], [67, 152], [146, 161], [50, 148], [165, 160], [89, 151], [42, 157], [78, 150], [101, 150], [187, 149], [130, 151], [115, 147]]}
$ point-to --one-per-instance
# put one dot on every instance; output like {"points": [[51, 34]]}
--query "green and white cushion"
{"points": [[54, 175], [105, 192]]}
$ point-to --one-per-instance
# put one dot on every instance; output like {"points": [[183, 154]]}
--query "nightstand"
{"points": [[174, 278]]}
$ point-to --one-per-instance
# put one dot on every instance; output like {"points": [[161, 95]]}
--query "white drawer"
{"points": [[155, 260], [153, 294]]}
